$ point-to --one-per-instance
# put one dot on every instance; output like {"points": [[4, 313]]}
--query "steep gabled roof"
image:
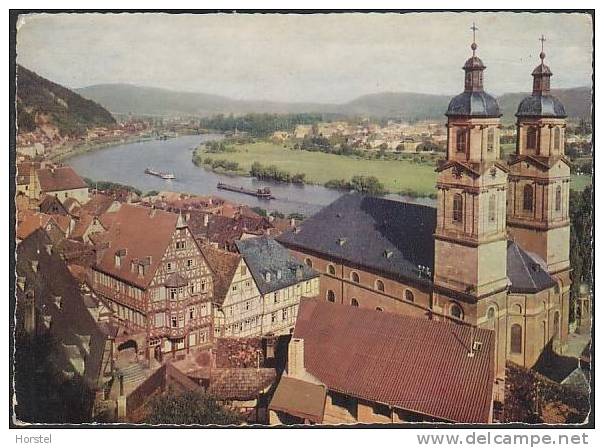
{"points": [[223, 264], [376, 233], [144, 234], [264, 255], [408, 363], [59, 179]]}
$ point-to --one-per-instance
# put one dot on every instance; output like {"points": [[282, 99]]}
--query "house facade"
{"points": [[151, 271], [62, 182]]}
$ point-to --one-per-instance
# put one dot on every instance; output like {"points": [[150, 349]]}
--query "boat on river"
{"points": [[260, 193], [163, 175]]}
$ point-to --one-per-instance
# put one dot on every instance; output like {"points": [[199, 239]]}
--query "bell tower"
{"points": [[538, 195], [470, 236]]}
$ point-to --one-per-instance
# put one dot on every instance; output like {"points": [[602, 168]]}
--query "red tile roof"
{"points": [[59, 179], [98, 204], [407, 363], [144, 233], [223, 264]]}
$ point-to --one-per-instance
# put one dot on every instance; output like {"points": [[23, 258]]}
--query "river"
{"points": [[126, 163]]}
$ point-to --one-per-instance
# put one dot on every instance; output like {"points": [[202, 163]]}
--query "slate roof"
{"points": [[264, 254], [390, 236], [541, 106], [299, 398], [59, 178], [473, 104], [526, 272], [408, 363], [223, 264], [72, 324]]}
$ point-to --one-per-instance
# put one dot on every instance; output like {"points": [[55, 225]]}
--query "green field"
{"points": [[395, 175], [320, 167]]}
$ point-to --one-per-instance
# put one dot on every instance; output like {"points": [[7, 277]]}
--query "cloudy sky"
{"points": [[319, 58]]}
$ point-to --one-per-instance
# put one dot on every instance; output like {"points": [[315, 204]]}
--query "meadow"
{"points": [[396, 175]]}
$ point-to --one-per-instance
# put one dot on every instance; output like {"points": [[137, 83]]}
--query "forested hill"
{"points": [[125, 98], [42, 102]]}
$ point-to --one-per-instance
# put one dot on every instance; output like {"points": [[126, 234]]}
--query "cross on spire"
{"points": [[474, 46], [542, 39]]}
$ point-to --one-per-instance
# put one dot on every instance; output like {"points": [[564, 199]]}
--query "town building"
{"points": [[461, 261], [357, 365], [265, 286], [151, 271], [62, 182]]}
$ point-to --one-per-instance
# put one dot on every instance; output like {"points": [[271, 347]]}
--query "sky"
{"points": [[326, 58]]}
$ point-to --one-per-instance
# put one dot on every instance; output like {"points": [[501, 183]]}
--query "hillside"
{"points": [[124, 98], [42, 102]]}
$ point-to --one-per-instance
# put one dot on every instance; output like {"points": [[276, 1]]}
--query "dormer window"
{"points": [[267, 276], [278, 274], [34, 265]]}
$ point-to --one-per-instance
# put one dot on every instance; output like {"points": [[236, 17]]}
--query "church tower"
{"points": [[538, 197], [470, 236], [539, 189]]}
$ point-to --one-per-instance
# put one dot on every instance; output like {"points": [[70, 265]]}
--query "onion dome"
{"points": [[474, 101], [541, 103]]}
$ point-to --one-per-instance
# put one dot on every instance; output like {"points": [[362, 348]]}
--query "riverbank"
{"points": [[414, 176]]}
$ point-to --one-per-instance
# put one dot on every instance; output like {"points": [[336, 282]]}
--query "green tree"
{"points": [[189, 408], [581, 240]]}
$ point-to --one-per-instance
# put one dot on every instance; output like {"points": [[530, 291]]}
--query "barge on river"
{"points": [[260, 193], [165, 176]]}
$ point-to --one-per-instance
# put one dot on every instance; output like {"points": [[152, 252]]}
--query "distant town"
{"points": [[177, 307]]}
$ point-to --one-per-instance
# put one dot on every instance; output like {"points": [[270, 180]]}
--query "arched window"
{"points": [[556, 324], [458, 208], [490, 139], [462, 140], [516, 339], [379, 308], [355, 277], [409, 296], [558, 199], [354, 302], [531, 137], [379, 285], [517, 308], [491, 313], [492, 207], [331, 270], [556, 138], [456, 311], [331, 296], [308, 262], [527, 203]]}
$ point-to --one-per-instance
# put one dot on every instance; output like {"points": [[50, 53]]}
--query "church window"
{"points": [[558, 199], [491, 313], [354, 302], [517, 308], [355, 277], [331, 270], [490, 139], [331, 296], [456, 311], [409, 296], [462, 140], [527, 203], [458, 208], [556, 138], [492, 208], [379, 285], [531, 138], [516, 339]]}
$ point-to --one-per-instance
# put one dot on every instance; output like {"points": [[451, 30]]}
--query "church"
{"points": [[493, 253]]}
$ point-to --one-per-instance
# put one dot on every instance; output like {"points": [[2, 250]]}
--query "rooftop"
{"points": [[271, 264], [59, 179], [408, 363]]}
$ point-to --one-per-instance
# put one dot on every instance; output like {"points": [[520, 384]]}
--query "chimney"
{"points": [[295, 358], [278, 274], [206, 219], [48, 248], [292, 223]]}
